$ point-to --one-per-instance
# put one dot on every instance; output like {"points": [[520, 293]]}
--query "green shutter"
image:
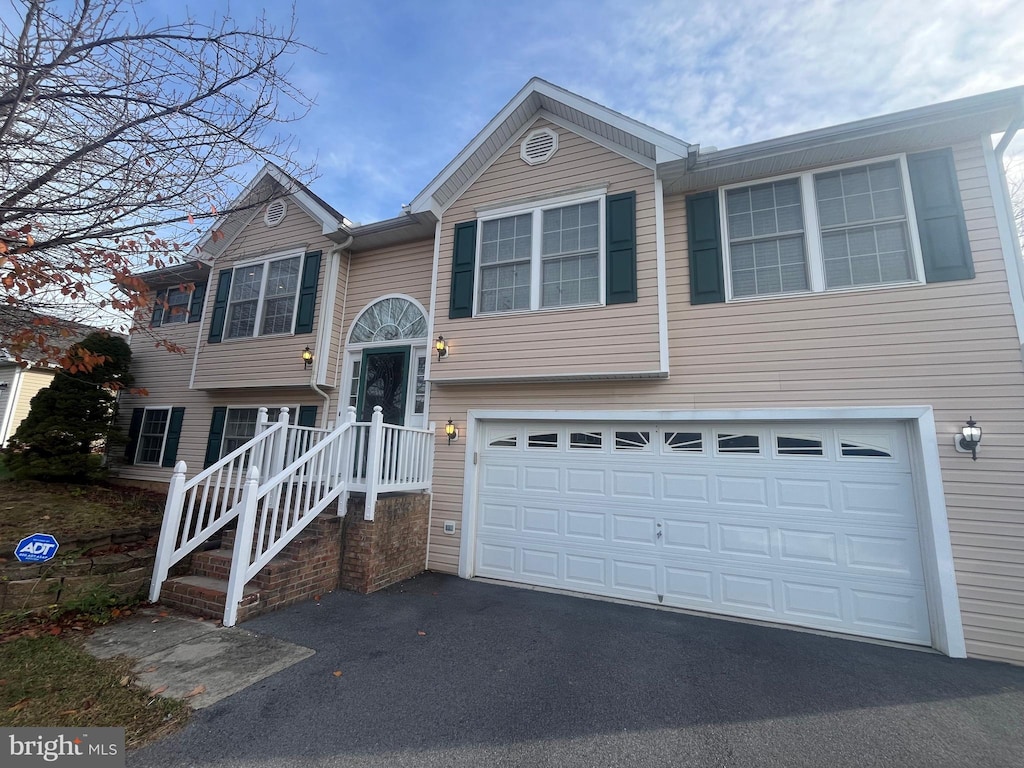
{"points": [[220, 415], [707, 282], [460, 303], [940, 217], [620, 253], [133, 435], [195, 306], [307, 292], [158, 309], [307, 416], [173, 436], [220, 307]]}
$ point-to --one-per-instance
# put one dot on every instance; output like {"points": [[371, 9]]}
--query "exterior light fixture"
{"points": [[969, 439], [442, 348], [307, 357], [452, 431]]}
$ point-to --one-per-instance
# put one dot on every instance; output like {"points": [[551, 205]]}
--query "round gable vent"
{"points": [[275, 213], [538, 146]]}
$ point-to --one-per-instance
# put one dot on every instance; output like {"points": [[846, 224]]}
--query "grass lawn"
{"points": [[66, 510], [49, 681]]}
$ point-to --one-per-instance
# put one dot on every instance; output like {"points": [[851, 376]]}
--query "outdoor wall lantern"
{"points": [[969, 439], [442, 348], [452, 431], [307, 357], [3, 385]]}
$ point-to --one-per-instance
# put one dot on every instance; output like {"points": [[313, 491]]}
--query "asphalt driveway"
{"points": [[514, 677]]}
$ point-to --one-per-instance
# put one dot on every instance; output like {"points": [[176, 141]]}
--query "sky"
{"points": [[402, 86]]}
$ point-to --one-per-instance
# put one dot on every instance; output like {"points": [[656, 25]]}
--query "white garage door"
{"points": [[812, 524]]}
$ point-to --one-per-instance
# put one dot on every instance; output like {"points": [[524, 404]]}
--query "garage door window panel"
{"points": [[586, 440], [542, 440], [794, 445], [684, 442], [632, 441], [865, 447], [729, 443]]}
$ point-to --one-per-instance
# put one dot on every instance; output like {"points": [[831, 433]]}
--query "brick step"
{"points": [[206, 596], [216, 564]]}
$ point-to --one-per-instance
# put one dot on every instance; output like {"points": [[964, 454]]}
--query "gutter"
{"points": [[325, 326]]}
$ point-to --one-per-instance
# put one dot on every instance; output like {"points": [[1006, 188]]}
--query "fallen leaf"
{"points": [[54, 630], [155, 621], [115, 612], [125, 680], [149, 669], [20, 705], [158, 691], [195, 691], [336, 673], [316, 597], [421, 633], [435, 594], [164, 614], [70, 712]]}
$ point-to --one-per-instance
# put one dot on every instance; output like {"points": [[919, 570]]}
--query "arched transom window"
{"points": [[389, 319]]}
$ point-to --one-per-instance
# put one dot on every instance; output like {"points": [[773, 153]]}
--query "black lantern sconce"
{"points": [[969, 439], [307, 358], [442, 348], [452, 431]]}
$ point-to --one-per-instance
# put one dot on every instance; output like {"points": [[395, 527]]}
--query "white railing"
{"points": [[305, 470]]}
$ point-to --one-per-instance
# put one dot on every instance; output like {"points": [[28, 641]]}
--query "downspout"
{"points": [[328, 307], [340, 356]]}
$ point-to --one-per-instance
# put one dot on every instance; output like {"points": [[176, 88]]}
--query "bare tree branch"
{"points": [[119, 137]]}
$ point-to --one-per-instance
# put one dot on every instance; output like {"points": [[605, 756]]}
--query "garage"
{"points": [[810, 524]]}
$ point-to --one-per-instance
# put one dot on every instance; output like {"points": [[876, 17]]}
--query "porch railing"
{"points": [[278, 482]]}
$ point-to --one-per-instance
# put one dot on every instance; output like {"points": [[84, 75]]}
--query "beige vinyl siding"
{"points": [[622, 338], [402, 269], [951, 345], [23, 387], [8, 378], [262, 361]]}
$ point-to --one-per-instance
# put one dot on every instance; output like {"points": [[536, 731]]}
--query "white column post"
{"points": [[429, 463], [168, 530], [374, 456], [243, 546], [260, 458], [347, 458], [278, 456]]}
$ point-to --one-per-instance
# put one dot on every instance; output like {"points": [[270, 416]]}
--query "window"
{"points": [[353, 387], [240, 426], [152, 436], [684, 442], [544, 257], [731, 443], [420, 395], [585, 440], [177, 306], [865, 447], [821, 231], [262, 299], [543, 440], [799, 445], [632, 441]]}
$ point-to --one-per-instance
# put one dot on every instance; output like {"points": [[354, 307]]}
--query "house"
{"points": [[730, 381], [18, 385]]}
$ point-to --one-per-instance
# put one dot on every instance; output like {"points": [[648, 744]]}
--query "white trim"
{"points": [[391, 342], [937, 560], [542, 201], [1007, 234], [659, 244], [202, 324], [589, 135], [580, 376], [13, 391], [812, 234], [163, 440], [536, 212], [671, 148]]}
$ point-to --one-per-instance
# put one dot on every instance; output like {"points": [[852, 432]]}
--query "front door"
{"points": [[385, 373]]}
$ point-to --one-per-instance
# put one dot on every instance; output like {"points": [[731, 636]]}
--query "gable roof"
{"points": [[270, 183], [540, 98]]}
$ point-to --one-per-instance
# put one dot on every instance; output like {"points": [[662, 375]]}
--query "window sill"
{"points": [[541, 311], [828, 292], [285, 334]]}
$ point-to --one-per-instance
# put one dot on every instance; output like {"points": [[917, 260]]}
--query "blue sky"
{"points": [[402, 86]]}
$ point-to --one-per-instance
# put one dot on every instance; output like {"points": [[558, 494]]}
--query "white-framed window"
{"points": [[543, 255], [839, 228], [152, 435], [177, 306], [262, 299], [419, 393], [240, 425]]}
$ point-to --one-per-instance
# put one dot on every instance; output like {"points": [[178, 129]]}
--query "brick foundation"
{"points": [[390, 548]]}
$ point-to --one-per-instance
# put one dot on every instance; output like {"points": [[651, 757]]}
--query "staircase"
{"points": [[305, 568], [286, 488]]}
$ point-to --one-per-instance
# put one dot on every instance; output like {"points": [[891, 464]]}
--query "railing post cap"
{"points": [[180, 468], [378, 409], [253, 475]]}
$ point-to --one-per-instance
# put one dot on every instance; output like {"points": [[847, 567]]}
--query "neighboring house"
{"points": [[18, 385], [728, 381]]}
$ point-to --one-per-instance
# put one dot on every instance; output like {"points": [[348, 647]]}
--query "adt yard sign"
{"points": [[37, 548]]}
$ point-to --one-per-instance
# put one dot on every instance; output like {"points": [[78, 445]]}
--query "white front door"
{"points": [[809, 524]]}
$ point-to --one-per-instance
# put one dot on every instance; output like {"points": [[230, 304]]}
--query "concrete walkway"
{"points": [[441, 671], [178, 654]]}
